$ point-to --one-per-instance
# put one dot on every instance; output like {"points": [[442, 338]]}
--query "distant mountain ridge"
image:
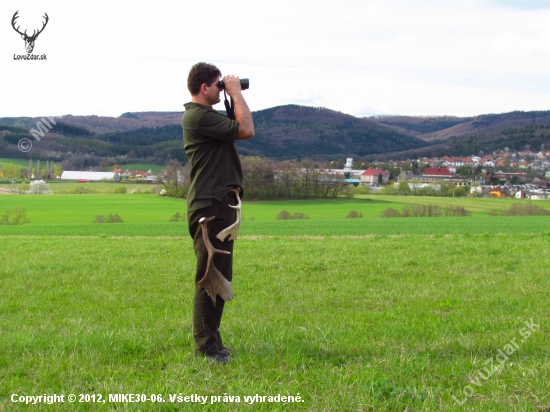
{"points": [[454, 136], [281, 132], [284, 132], [446, 127]]}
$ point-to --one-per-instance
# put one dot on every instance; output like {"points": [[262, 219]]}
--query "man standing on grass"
{"points": [[209, 143]]}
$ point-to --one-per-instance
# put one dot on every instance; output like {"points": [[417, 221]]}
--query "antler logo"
{"points": [[29, 40]]}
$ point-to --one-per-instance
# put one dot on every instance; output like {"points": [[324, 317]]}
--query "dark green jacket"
{"points": [[209, 143]]}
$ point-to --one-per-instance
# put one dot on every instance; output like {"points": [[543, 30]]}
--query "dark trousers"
{"points": [[206, 316]]}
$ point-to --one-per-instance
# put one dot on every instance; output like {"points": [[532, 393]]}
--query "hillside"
{"points": [[442, 128], [298, 131], [456, 136], [282, 132], [103, 124], [515, 138]]}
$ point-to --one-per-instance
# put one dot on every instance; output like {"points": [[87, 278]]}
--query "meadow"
{"points": [[131, 166], [20, 162], [368, 314]]}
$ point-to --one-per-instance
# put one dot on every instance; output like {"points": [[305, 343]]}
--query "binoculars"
{"points": [[244, 84]]}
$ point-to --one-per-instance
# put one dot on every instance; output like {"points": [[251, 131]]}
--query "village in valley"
{"points": [[503, 173], [523, 174]]}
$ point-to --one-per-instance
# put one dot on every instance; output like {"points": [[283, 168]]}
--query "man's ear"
{"points": [[203, 89]]}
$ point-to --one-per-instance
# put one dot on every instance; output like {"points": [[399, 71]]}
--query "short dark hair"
{"points": [[202, 73]]}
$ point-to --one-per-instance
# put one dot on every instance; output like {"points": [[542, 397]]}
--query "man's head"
{"points": [[202, 73]]}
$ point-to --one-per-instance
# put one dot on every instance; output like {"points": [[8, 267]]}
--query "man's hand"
{"points": [[232, 85], [242, 112]]}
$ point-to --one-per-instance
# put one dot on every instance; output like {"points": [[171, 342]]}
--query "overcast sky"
{"points": [[423, 57]]}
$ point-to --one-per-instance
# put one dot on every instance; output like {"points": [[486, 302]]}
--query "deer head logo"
{"points": [[29, 40]]}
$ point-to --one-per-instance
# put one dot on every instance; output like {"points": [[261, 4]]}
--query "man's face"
{"points": [[213, 92]]}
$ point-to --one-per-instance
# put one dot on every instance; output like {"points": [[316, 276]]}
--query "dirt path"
{"points": [[4, 190]]}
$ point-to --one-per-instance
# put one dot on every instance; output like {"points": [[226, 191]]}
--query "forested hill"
{"points": [[284, 132], [465, 136], [443, 128], [298, 131]]}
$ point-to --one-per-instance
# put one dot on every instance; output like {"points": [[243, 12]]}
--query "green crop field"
{"points": [[131, 166], [20, 162], [143, 167], [369, 314]]}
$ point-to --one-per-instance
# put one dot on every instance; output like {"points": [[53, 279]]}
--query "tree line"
{"points": [[49, 171], [265, 179]]}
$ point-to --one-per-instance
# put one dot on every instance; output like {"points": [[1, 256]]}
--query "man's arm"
{"points": [[242, 112]]}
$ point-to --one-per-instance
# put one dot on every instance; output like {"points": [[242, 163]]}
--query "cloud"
{"points": [[375, 57], [520, 4]]}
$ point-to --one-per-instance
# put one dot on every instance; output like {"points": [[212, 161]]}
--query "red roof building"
{"points": [[437, 171], [373, 171], [373, 176]]}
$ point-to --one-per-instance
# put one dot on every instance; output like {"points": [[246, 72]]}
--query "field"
{"points": [[131, 166], [371, 314], [143, 167], [20, 162]]}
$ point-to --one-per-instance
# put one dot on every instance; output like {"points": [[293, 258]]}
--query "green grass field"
{"points": [[363, 314], [143, 167], [20, 162], [152, 208], [131, 166]]}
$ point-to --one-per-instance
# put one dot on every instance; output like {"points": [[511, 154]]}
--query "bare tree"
{"points": [[310, 178], [258, 176], [176, 178], [286, 175], [37, 174]]}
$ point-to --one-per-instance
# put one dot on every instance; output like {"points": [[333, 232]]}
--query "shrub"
{"points": [[361, 190], [82, 190], [285, 215], [527, 209], [421, 211], [354, 214], [451, 210], [458, 192], [23, 188], [99, 219], [431, 210], [16, 215], [493, 212], [110, 219], [390, 212], [388, 190], [114, 219], [38, 187], [121, 190], [176, 217]]}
